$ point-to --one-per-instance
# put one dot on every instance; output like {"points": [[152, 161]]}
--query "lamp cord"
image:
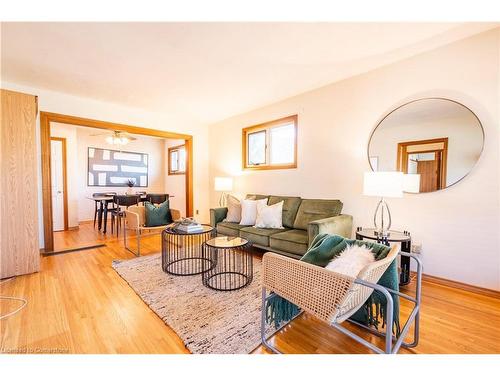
{"points": [[21, 299]]}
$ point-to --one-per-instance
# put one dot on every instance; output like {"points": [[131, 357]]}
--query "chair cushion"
{"points": [[293, 241], [157, 215], [229, 229], [316, 209], [259, 236], [290, 208]]}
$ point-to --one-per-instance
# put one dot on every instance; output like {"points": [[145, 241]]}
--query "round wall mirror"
{"points": [[435, 141]]}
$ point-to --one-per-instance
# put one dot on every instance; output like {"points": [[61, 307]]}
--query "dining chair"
{"points": [[96, 203], [156, 198], [142, 196], [117, 213]]}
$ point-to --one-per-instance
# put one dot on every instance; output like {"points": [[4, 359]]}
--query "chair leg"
{"points": [[95, 214], [138, 231]]}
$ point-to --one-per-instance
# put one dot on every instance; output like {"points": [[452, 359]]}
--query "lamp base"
{"points": [[379, 219]]}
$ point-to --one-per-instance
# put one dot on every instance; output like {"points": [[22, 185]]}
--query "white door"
{"points": [[57, 178]]}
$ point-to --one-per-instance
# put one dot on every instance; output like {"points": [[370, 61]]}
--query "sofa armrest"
{"points": [[175, 214], [217, 215], [341, 225]]}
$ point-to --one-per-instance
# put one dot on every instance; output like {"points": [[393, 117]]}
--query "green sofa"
{"points": [[303, 219]]}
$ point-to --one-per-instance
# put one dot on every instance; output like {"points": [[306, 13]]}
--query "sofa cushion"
{"points": [[315, 209], [229, 229], [290, 208], [293, 241], [259, 236]]}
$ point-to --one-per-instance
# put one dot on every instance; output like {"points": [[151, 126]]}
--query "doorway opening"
{"points": [[59, 184], [428, 159], [88, 164]]}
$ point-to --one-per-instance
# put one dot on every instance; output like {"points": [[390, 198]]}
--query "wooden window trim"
{"points": [[266, 126], [170, 150]]}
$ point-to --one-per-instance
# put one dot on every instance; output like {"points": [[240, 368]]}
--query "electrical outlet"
{"points": [[416, 248]]}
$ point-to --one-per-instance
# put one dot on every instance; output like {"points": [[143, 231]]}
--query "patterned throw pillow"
{"points": [[157, 215]]}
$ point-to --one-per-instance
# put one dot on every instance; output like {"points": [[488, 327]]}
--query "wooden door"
{"points": [[19, 241], [429, 171]]}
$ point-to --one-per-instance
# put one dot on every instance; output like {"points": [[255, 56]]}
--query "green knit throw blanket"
{"points": [[323, 249]]}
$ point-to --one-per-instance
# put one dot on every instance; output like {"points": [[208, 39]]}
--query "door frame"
{"points": [[402, 159], [65, 180], [47, 117]]}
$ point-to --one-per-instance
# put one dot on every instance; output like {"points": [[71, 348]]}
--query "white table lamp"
{"points": [[224, 185], [383, 185]]}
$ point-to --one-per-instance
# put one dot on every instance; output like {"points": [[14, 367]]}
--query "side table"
{"points": [[403, 238], [183, 253], [233, 263]]}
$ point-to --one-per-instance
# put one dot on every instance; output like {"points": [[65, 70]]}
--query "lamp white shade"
{"points": [[383, 184], [411, 183], [223, 184]]}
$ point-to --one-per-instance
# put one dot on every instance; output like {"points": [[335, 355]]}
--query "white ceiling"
{"points": [[205, 72]]}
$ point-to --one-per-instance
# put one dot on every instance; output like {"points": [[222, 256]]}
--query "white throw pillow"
{"points": [[249, 210], [270, 216], [352, 260], [233, 210]]}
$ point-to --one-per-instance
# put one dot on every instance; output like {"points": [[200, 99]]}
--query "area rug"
{"points": [[207, 321]]}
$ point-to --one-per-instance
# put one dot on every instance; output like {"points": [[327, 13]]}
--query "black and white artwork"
{"points": [[116, 168]]}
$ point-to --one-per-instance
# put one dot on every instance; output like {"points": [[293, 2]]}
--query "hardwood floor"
{"points": [[78, 304], [82, 236]]}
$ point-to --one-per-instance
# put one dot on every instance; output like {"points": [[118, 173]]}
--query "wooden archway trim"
{"points": [[47, 117]]}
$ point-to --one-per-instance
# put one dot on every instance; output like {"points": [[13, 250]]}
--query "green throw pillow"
{"points": [[325, 247], [157, 215]]}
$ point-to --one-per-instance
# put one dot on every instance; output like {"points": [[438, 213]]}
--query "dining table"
{"points": [[103, 208]]}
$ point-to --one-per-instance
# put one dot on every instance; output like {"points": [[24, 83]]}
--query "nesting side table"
{"points": [[182, 254], [232, 261]]}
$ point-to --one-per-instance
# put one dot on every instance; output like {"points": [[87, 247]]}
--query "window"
{"points": [[272, 145], [177, 160]]}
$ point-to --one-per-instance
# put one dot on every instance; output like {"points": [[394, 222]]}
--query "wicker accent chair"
{"points": [[135, 219], [334, 298]]}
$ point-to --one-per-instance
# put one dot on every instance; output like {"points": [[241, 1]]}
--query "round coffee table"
{"points": [[182, 254], [233, 263]]}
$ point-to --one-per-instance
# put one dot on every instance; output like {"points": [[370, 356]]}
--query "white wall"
{"points": [[175, 185], [458, 227], [51, 101]]}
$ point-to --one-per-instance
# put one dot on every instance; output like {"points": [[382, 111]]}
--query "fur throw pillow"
{"points": [[352, 260]]}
